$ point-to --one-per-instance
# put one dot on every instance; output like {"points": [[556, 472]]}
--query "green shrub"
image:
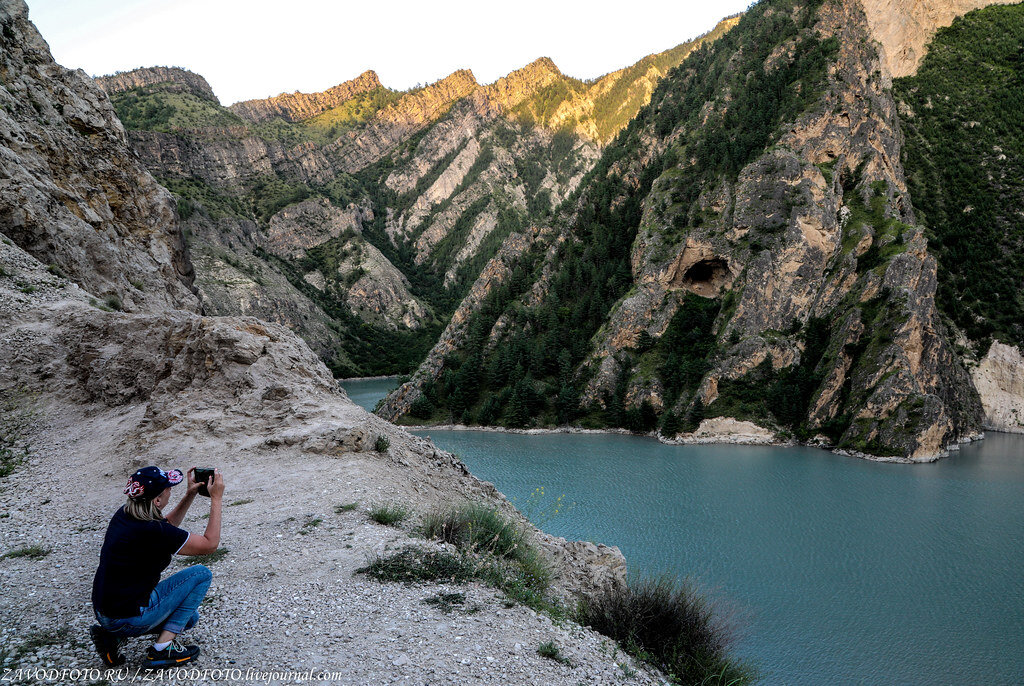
{"points": [[666, 623], [215, 556], [552, 652], [33, 552], [113, 302], [413, 564], [446, 602], [477, 527], [516, 565], [390, 514], [382, 444]]}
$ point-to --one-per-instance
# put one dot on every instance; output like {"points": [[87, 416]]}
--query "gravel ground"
{"points": [[286, 595]]}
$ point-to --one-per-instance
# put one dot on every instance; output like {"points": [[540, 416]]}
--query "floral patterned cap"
{"points": [[149, 482]]}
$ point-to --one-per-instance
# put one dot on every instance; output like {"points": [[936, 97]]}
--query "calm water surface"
{"points": [[366, 392], [836, 570]]}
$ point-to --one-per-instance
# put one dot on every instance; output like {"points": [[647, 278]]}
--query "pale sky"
{"points": [[254, 48]]}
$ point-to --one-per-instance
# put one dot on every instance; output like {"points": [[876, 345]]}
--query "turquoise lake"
{"points": [[835, 570]]}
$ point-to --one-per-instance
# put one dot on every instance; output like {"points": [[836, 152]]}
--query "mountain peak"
{"points": [[524, 83]]}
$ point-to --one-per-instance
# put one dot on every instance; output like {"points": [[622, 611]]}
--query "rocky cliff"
{"points": [[184, 80], [999, 378], [298, 106], [904, 29], [724, 261], [74, 195]]}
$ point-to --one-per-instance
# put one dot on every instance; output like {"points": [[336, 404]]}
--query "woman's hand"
{"points": [[216, 485], [193, 485]]}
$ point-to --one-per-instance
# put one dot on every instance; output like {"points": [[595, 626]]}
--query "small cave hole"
{"points": [[707, 271]]}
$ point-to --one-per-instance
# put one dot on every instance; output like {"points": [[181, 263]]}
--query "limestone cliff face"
{"points": [[73, 194], [298, 106], [800, 220], [229, 156], [374, 289], [999, 378], [396, 123], [904, 27], [310, 223], [185, 80]]}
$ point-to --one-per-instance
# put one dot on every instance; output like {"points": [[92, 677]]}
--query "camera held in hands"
{"points": [[203, 476]]}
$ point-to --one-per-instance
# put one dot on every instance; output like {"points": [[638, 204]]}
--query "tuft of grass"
{"points": [[33, 552], [390, 514], [348, 507], [412, 564], [666, 623], [215, 556], [382, 444], [244, 501], [113, 302], [310, 525], [513, 563], [477, 527], [446, 602], [552, 652]]}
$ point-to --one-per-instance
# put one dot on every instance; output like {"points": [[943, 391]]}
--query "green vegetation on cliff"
{"points": [[964, 158], [165, 107]]}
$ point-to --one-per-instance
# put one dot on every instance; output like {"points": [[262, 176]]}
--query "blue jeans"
{"points": [[173, 605]]}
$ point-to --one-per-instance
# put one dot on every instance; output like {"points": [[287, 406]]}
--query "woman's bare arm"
{"points": [[210, 540], [177, 515]]}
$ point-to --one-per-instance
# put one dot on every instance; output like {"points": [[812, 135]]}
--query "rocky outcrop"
{"points": [[511, 90], [298, 106], [904, 28], [178, 80], [73, 194], [396, 123], [999, 378], [310, 223]]}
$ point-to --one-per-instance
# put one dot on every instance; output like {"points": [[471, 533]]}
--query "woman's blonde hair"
{"points": [[144, 510]]}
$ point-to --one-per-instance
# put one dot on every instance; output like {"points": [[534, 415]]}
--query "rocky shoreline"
{"points": [[747, 436]]}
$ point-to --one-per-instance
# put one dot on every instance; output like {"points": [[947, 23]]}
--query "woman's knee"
{"points": [[202, 573]]}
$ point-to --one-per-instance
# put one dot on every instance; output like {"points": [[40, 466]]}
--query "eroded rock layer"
{"points": [[72, 193]]}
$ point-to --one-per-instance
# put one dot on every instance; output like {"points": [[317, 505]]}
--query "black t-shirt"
{"points": [[134, 554]]}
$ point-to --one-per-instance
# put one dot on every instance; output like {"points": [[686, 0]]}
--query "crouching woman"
{"points": [[127, 595]]}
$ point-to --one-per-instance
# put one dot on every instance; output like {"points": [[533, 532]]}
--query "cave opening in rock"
{"points": [[707, 277], [707, 271]]}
